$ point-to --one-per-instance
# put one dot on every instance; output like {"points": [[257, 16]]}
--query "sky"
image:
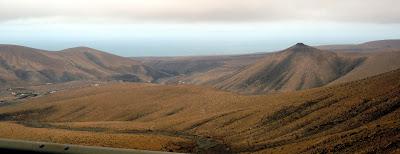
{"points": [[194, 27]]}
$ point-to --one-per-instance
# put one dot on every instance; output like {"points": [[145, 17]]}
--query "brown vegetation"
{"points": [[298, 67], [358, 116], [286, 70], [22, 65]]}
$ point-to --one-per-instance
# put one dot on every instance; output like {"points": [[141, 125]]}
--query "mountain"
{"points": [[23, 65], [298, 67], [282, 71], [249, 73], [355, 117]]}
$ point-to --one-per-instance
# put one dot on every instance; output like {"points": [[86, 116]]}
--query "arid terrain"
{"points": [[21, 65], [295, 68], [302, 99]]}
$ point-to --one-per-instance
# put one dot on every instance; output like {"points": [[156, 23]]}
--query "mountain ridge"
{"points": [[24, 65], [222, 71], [297, 67]]}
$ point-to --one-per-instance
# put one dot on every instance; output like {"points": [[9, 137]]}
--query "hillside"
{"points": [[375, 63], [23, 65], [359, 116], [249, 73], [298, 67], [281, 71], [199, 69]]}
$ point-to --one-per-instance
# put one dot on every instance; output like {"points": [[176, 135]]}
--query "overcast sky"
{"points": [[194, 27]]}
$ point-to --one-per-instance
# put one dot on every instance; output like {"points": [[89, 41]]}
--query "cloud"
{"points": [[370, 11]]}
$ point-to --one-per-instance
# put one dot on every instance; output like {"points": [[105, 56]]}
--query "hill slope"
{"points": [[359, 116], [375, 63], [282, 71], [23, 65], [200, 70], [352, 62], [298, 67]]}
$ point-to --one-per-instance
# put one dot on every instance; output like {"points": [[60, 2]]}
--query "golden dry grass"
{"points": [[292, 69], [288, 70], [21, 65], [107, 139], [352, 117]]}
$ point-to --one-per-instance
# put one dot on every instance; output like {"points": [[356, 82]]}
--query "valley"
{"points": [[302, 99], [181, 118]]}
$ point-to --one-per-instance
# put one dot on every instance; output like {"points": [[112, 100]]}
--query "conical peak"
{"points": [[300, 44], [300, 48]]}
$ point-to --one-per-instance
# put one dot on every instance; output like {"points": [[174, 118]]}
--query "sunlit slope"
{"points": [[286, 70], [374, 64], [23, 65], [298, 67], [355, 116]]}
